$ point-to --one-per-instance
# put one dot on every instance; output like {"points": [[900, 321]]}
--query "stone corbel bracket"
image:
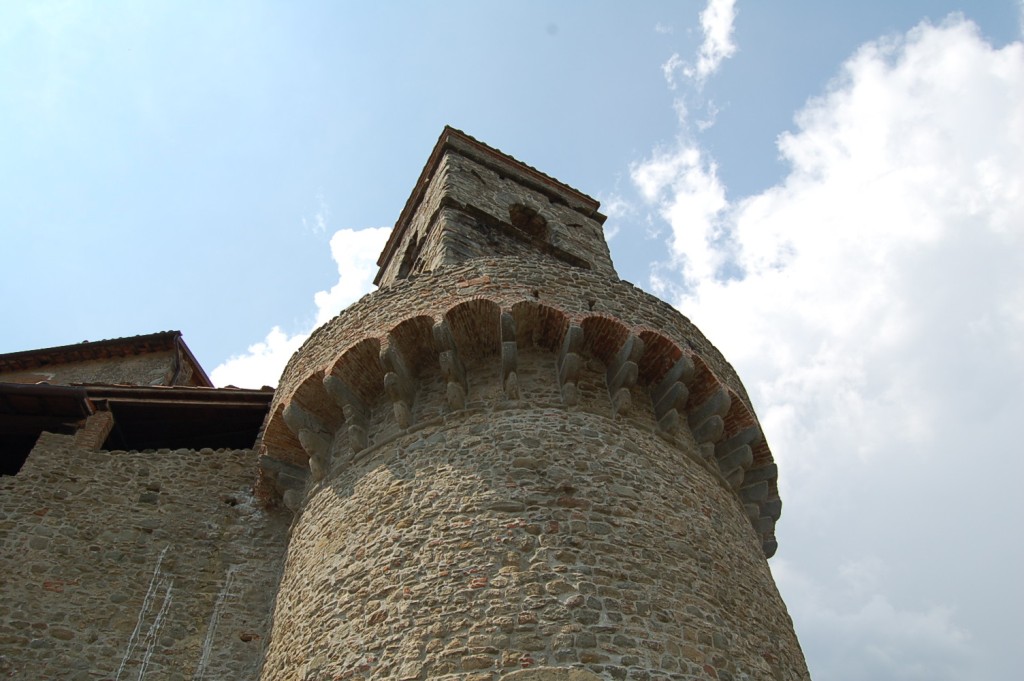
{"points": [[509, 357], [622, 374], [315, 437], [569, 365], [399, 384], [452, 368]]}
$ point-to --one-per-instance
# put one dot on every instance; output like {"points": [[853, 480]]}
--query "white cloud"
{"points": [[617, 209], [669, 68], [716, 22], [355, 253], [262, 362], [872, 303], [864, 636], [686, 188]]}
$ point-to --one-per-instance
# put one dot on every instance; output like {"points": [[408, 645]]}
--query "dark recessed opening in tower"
{"points": [[411, 251], [528, 220]]}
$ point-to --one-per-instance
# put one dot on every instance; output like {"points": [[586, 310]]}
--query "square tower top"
{"points": [[473, 201]]}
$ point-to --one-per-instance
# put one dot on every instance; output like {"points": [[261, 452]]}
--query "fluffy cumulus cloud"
{"points": [[355, 253], [716, 23], [685, 185], [873, 301], [262, 362]]}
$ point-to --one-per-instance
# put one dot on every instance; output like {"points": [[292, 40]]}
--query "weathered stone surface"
{"points": [[156, 368], [550, 674], [579, 506], [510, 282], [435, 529], [506, 463], [154, 559], [472, 203]]}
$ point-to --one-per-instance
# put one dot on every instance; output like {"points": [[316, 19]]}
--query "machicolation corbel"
{"points": [[671, 394], [622, 374], [509, 357], [355, 411], [569, 364], [313, 435], [398, 384], [452, 368]]}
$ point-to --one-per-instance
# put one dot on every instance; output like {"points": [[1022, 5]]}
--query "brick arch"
{"points": [[704, 382], [603, 336], [279, 442], [660, 355], [740, 419], [413, 338], [476, 327], [359, 369], [538, 324], [312, 396]]}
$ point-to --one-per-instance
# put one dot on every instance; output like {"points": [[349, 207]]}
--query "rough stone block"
{"points": [[625, 377], [681, 372], [569, 368], [756, 492], [622, 401], [717, 404], [670, 421], [456, 397], [673, 398], [509, 358], [512, 386], [750, 435], [709, 430], [772, 508], [741, 457], [769, 472], [573, 341]]}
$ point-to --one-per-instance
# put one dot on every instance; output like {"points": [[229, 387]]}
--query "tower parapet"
{"points": [[507, 458], [473, 201]]}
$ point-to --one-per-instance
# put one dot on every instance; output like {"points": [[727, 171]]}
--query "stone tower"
{"points": [[507, 461]]}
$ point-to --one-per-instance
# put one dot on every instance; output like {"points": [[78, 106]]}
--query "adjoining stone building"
{"points": [[505, 462]]}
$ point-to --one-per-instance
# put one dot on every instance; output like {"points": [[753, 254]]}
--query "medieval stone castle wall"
{"points": [[505, 463], [135, 565], [524, 531]]}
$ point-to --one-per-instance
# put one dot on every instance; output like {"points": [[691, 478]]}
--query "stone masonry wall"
{"points": [[472, 184], [154, 368], [507, 280], [367, 372], [459, 215], [135, 565], [493, 540]]}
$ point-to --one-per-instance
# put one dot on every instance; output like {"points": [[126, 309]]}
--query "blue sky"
{"points": [[834, 192]]}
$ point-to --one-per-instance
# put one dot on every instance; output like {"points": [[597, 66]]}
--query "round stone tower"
{"points": [[507, 461]]}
